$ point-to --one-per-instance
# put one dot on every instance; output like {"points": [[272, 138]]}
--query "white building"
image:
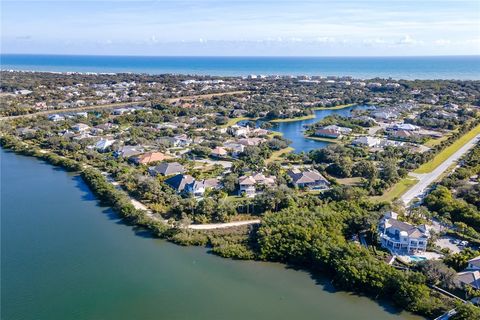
{"points": [[247, 184], [402, 237], [367, 141]]}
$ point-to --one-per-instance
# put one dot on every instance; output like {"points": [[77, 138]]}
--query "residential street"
{"points": [[426, 179]]}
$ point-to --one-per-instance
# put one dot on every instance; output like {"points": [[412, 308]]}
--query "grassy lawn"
{"points": [[433, 142], [277, 155], [448, 151], [349, 181], [331, 140], [233, 121], [312, 116], [397, 190]]}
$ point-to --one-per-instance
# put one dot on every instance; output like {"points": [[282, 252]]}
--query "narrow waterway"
{"points": [[294, 130], [65, 257]]}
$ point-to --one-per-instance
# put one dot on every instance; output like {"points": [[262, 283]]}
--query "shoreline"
{"points": [[359, 66], [105, 192]]}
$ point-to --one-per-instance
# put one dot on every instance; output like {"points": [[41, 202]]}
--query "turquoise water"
{"points": [[454, 67], [65, 257]]}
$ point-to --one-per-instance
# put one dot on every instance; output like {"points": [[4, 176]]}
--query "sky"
{"points": [[242, 28]]}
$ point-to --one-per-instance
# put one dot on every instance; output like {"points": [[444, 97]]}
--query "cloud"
{"points": [[408, 40]]}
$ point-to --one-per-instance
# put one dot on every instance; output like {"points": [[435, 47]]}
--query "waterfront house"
{"points": [[332, 131], [150, 157], [238, 131], [402, 237], [166, 169], [310, 179]]}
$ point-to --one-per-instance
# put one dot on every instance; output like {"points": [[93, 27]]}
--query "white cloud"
{"points": [[408, 40]]}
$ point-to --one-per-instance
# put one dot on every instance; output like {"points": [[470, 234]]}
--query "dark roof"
{"points": [[167, 168], [179, 181]]}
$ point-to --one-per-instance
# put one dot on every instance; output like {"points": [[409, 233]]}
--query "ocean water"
{"points": [[451, 67]]}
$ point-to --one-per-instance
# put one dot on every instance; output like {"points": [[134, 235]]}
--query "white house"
{"points": [[103, 144], [402, 237], [247, 184], [366, 141], [55, 117]]}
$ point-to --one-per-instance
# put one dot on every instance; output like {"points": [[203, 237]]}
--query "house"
{"points": [[120, 111], [181, 141], [128, 151], [400, 236], [219, 152], [402, 134], [327, 133], [179, 182], [474, 264], [103, 144], [385, 115], [26, 132], [80, 127], [341, 130], [247, 184], [366, 141], [166, 169], [310, 179], [150, 157], [404, 126], [234, 148], [238, 131], [332, 131], [250, 141], [198, 187], [468, 278], [83, 135], [56, 117]]}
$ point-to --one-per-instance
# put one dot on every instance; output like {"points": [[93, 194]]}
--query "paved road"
{"points": [[426, 179]]}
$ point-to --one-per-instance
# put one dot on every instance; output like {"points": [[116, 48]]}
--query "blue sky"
{"points": [[223, 27]]}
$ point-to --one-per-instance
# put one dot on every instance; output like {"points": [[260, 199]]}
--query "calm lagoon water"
{"points": [[294, 131], [65, 257], [448, 67]]}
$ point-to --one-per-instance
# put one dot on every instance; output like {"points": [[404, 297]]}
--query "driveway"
{"points": [[447, 242]]}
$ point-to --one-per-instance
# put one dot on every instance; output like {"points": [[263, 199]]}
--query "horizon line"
{"points": [[234, 56]]}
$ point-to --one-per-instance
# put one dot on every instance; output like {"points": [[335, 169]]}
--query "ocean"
{"points": [[442, 67]]}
